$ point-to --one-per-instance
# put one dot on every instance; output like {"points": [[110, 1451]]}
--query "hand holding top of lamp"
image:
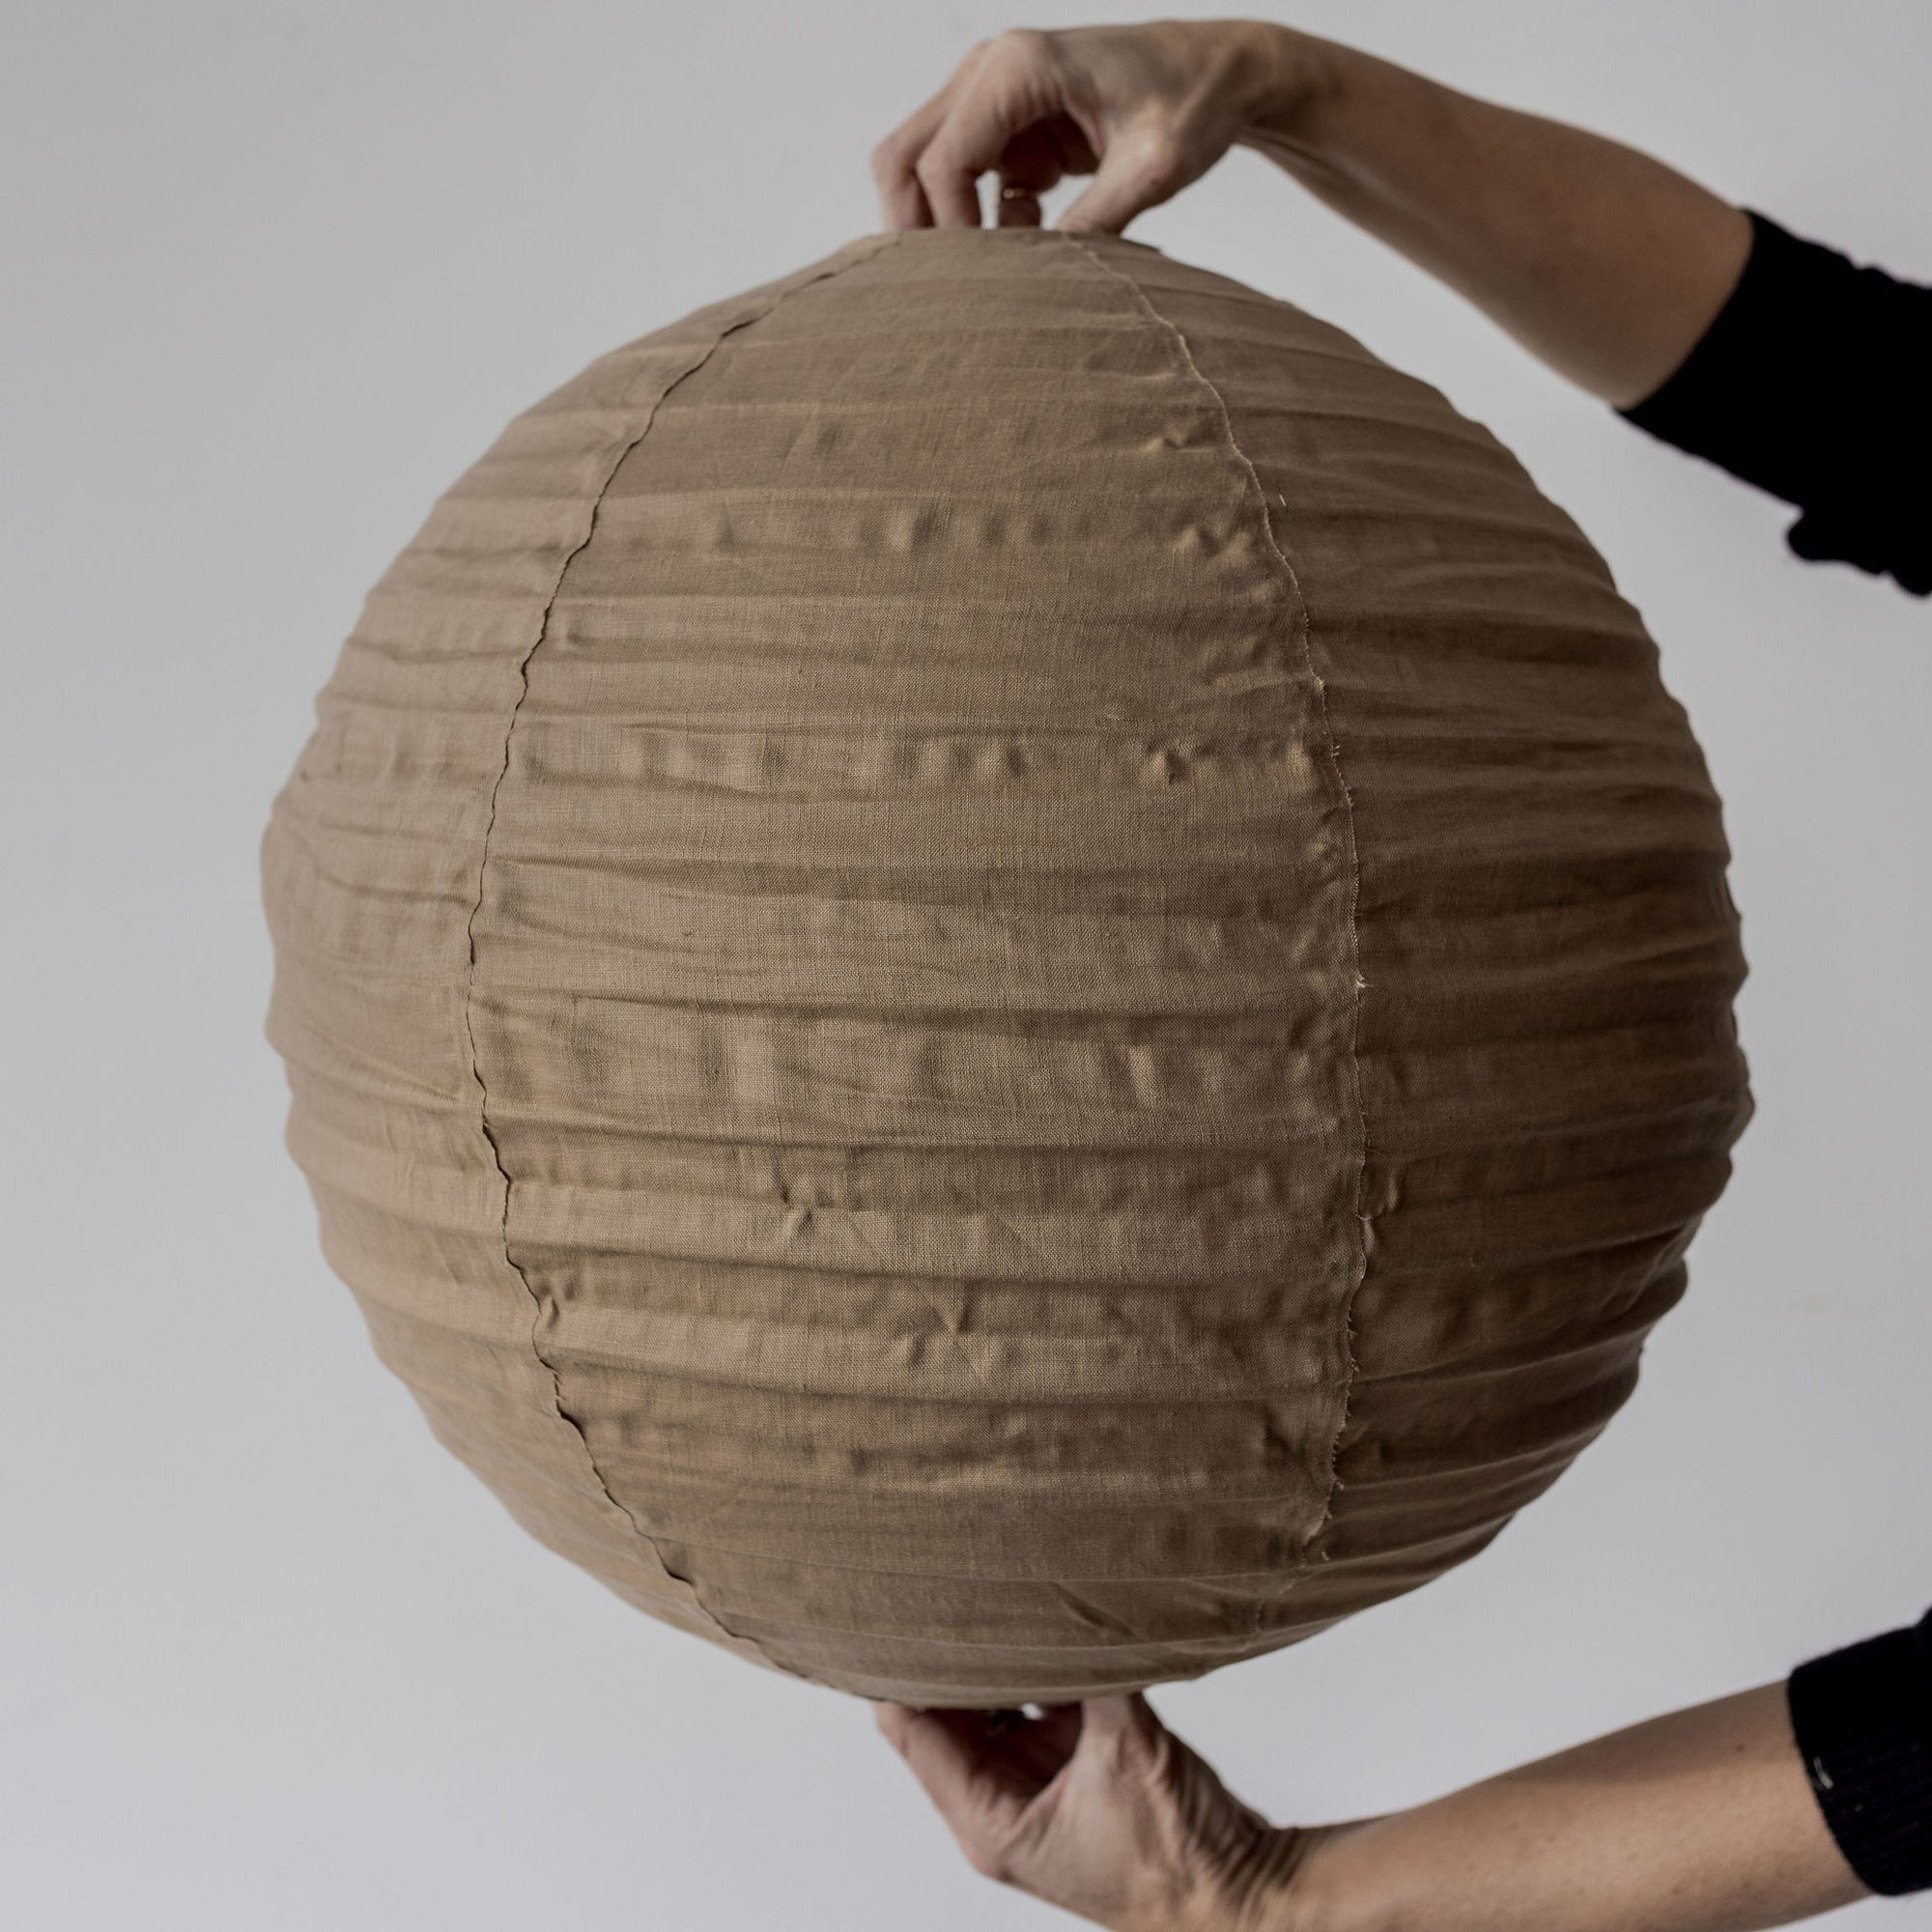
{"points": [[1603, 262]]}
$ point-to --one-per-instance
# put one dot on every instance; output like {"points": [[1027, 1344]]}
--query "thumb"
{"points": [[1139, 170]]}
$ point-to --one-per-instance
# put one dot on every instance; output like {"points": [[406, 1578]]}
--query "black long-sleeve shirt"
{"points": [[1815, 383], [1863, 1718]]}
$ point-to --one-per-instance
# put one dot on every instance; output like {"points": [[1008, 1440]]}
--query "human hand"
{"points": [[1100, 1809], [1701, 1820], [1144, 109]]}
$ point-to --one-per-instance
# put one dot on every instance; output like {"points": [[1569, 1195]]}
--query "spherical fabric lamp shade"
{"points": [[1003, 975]]}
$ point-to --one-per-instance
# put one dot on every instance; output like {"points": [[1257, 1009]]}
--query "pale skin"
{"points": [[1607, 266], [1606, 263]]}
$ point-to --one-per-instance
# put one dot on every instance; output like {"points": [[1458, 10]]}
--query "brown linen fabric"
{"points": [[1002, 975]]}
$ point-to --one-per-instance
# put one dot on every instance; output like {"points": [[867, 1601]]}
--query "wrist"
{"points": [[1296, 88], [1299, 1884]]}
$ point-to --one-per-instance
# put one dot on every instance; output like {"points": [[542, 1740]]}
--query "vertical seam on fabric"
{"points": [[539, 1306], [1303, 625]]}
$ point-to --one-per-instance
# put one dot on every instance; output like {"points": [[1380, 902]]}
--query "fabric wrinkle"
{"points": [[1301, 622], [543, 1313]]}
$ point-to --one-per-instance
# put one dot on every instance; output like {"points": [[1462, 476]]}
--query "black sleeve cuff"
{"points": [[1863, 1718], [1814, 383]]}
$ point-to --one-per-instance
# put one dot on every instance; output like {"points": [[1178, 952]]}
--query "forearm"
{"points": [[1603, 262], [1701, 1821]]}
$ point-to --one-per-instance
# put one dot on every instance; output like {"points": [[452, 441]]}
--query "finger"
{"points": [[894, 1722], [903, 202], [947, 1752], [1113, 1729], [918, 210], [1137, 171], [1103, 1716], [1010, 88]]}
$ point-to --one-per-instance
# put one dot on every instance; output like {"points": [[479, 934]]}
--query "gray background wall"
{"points": [[275, 272]]}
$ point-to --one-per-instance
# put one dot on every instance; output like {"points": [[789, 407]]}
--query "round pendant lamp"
{"points": [[1003, 975]]}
